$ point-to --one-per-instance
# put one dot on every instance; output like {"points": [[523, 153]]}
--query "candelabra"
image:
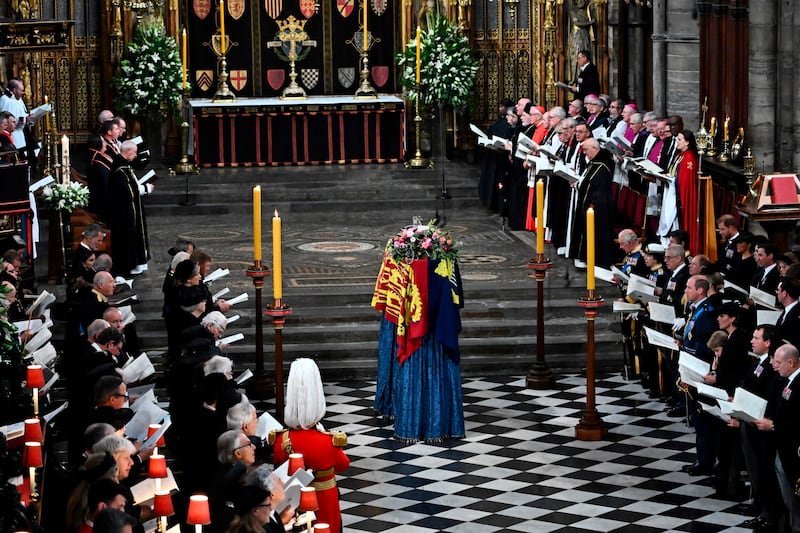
{"points": [[418, 161], [540, 376], [278, 311], [184, 166], [365, 91], [261, 386], [591, 427], [224, 93]]}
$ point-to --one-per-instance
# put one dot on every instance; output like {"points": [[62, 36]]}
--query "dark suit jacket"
{"points": [[699, 327], [673, 293], [770, 283], [588, 81], [787, 329], [787, 427]]}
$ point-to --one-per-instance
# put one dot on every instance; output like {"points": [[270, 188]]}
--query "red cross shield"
{"points": [[238, 79]]}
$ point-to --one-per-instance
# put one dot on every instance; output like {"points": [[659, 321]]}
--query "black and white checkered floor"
{"points": [[521, 469]]}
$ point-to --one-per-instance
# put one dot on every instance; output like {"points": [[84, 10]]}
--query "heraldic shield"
{"points": [[235, 8], [308, 8], [238, 79], [347, 75], [201, 8], [380, 75], [276, 77], [204, 79], [310, 77], [273, 8], [345, 7], [379, 6]]}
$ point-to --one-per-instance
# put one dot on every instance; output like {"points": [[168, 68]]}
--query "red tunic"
{"points": [[687, 191], [321, 456]]}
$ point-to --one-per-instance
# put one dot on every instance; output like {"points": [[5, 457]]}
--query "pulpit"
{"points": [[15, 201]]}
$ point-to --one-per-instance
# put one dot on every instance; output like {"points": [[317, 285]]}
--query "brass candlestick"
{"points": [[293, 90], [418, 161], [184, 166], [724, 155], [261, 386], [591, 427], [540, 376], [223, 93], [365, 91], [278, 311]]}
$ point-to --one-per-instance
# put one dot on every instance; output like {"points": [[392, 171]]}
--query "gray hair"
{"points": [[215, 318], [128, 146], [103, 263], [628, 236], [636, 118], [179, 256], [262, 476], [218, 365], [239, 415], [650, 115], [96, 327], [91, 230], [114, 444], [558, 111], [676, 250], [305, 399], [227, 444], [569, 122]]}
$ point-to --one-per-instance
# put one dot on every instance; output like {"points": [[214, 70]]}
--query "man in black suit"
{"points": [[787, 328], [679, 275], [588, 81], [729, 257], [767, 275], [785, 424]]}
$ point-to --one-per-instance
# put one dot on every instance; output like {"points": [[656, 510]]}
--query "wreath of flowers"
{"points": [[150, 80], [66, 197], [447, 66], [422, 242]]}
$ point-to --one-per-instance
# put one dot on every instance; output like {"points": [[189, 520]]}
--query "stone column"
{"points": [[763, 84], [660, 57]]}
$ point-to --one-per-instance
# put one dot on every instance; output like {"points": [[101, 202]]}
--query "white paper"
{"points": [[42, 301], [122, 281], [149, 413], [604, 274], [656, 338], [626, 307], [143, 399], [13, 431], [144, 491], [219, 294], [477, 131], [40, 111], [38, 340], [218, 273], [733, 289], [641, 291], [748, 406], [45, 355], [137, 140], [691, 369], [144, 179], [767, 317], [662, 313], [714, 410], [712, 392], [137, 369], [54, 413], [47, 180], [34, 325], [134, 393], [266, 423], [230, 339], [619, 274], [762, 298], [239, 299], [561, 170], [50, 383], [233, 319], [244, 376]]}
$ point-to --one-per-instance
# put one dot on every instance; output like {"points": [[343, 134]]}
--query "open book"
{"points": [[38, 340], [733, 290], [647, 167], [662, 313], [218, 273], [692, 369], [563, 171], [266, 423], [137, 369], [764, 316], [41, 303], [747, 406], [144, 179], [605, 275], [477, 131], [230, 339], [292, 485], [641, 289], [144, 491], [148, 413], [656, 338], [763, 298], [626, 307]]}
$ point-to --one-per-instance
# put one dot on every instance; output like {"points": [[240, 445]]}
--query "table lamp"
{"points": [[157, 469], [162, 508], [151, 430], [35, 380], [33, 430], [322, 527], [198, 514], [296, 462], [32, 459], [308, 503]]}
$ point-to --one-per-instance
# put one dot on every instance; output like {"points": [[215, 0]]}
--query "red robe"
{"points": [[320, 455], [687, 193]]}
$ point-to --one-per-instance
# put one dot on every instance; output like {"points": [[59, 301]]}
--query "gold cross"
{"points": [[292, 31]]}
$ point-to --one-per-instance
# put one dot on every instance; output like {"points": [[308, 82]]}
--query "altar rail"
{"points": [[314, 130]]}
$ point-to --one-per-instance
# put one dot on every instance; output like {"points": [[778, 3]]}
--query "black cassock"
{"points": [[595, 191], [495, 165], [129, 246]]}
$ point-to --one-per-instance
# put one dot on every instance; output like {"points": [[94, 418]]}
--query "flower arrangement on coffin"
{"points": [[66, 196], [422, 242], [447, 65], [150, 81]]}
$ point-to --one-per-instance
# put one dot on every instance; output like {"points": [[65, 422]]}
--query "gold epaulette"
{"points": [[273, 435], [340, 439]]}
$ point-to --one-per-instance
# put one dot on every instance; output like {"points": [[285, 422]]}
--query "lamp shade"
{"points": [[162, 504], [33, 430], [157, 467], [198, 514], [322, 527], [151, 429], [32, 456], [296, 462], [308, 499], [35, 377]]}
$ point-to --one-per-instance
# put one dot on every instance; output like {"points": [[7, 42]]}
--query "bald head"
{"points": [[104, 283]]}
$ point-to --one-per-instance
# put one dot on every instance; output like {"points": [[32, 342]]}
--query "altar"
{"points": [[314, 130]]}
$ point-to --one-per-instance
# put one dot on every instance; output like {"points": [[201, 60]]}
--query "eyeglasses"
{"points": [[121, 395], [248, 445]]}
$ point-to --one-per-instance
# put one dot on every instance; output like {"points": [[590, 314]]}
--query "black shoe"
{"points": [[686, 468], [679, 411], [697, 470], [752, 523]]}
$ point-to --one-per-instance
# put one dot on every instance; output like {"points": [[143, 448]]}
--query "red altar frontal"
{"points": [[312, 131]]}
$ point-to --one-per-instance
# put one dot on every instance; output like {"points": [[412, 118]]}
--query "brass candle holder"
{"points": [[184, 166], [418, 161], [591, 426], [261, 386], [278, 311], [365, 91], [540, 376], [224, 93], [724, 154]]}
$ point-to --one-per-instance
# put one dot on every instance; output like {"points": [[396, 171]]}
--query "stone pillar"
{"points": [[763, 82], [660, 57], [683, 63]]}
